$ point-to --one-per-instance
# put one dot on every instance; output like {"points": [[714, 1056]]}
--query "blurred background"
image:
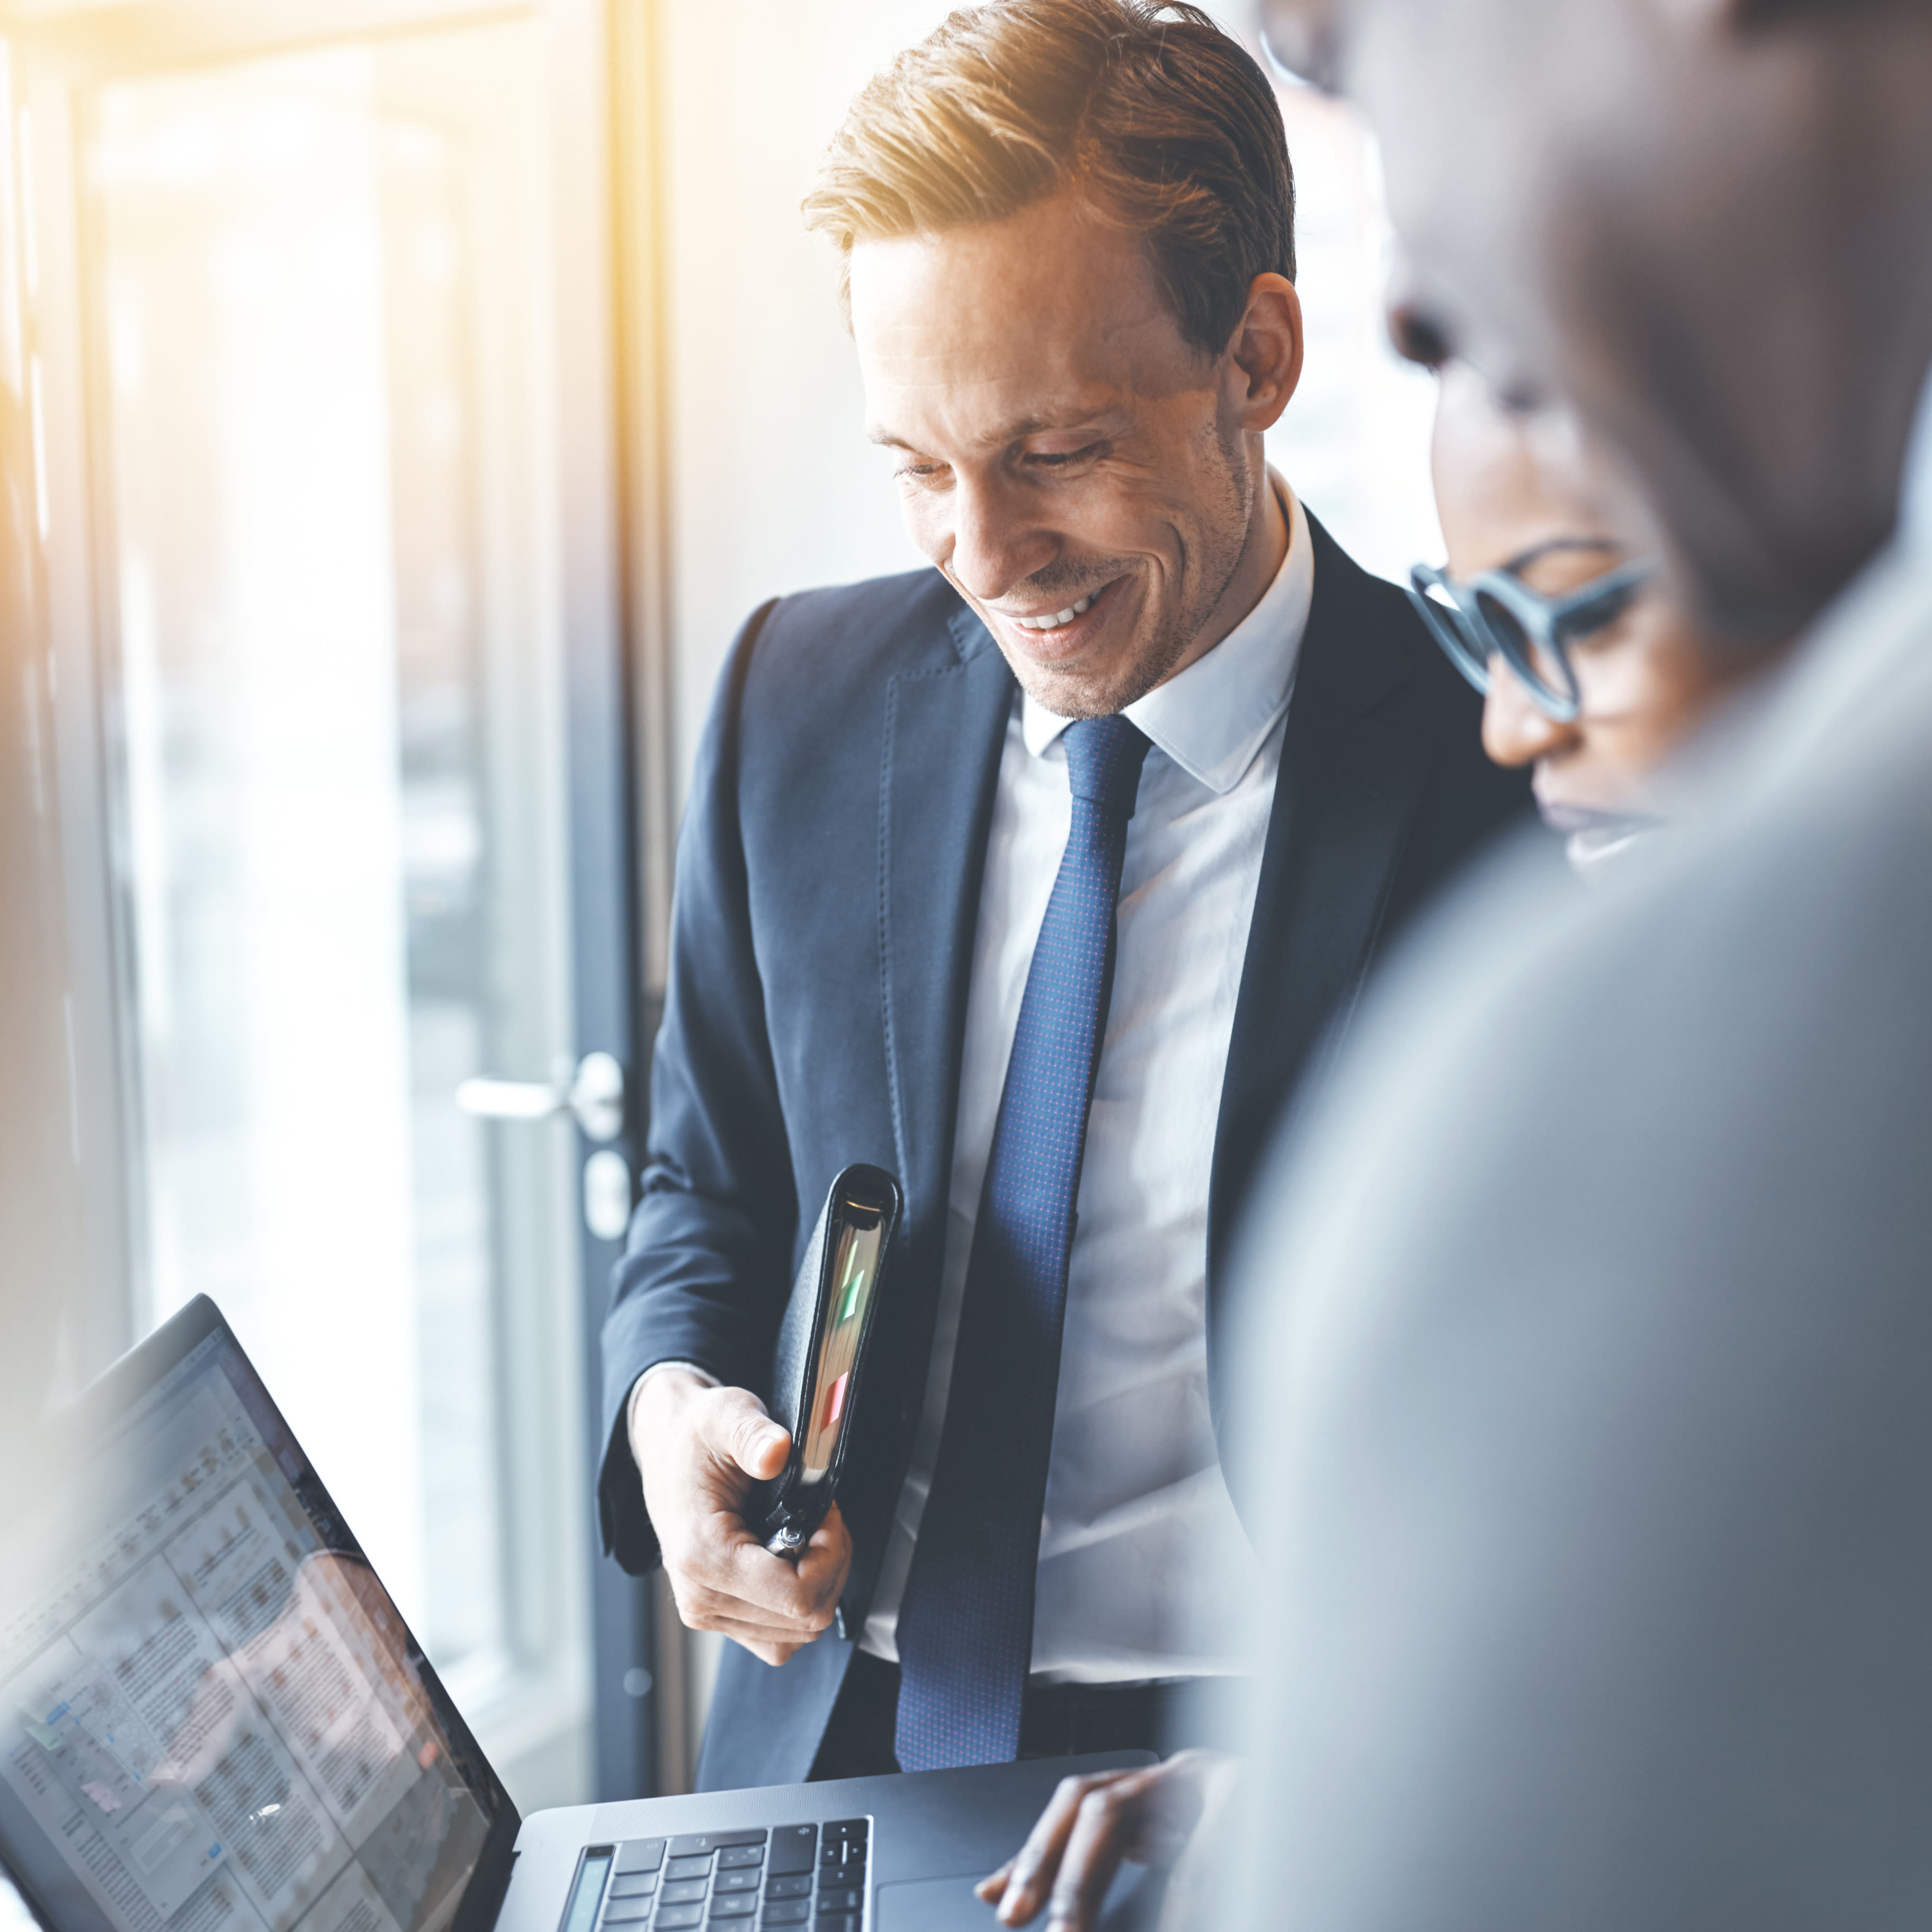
{"points": [[402, 403]]}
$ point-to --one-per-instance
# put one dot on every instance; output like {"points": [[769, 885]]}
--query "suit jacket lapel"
{"points": [[1353, 771], [946, 725], [1351, 776]]}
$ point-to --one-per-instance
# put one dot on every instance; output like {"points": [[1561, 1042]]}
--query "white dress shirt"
{"points": [[1141, 1554]]}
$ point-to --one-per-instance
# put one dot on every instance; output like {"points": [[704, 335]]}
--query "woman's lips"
{"points": [[1565, 818]]}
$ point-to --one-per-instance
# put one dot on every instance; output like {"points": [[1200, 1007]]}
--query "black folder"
{"points": [[820, 1356]]}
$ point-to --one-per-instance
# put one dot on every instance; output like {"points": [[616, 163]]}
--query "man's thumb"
{"points": [[756, 1444]]}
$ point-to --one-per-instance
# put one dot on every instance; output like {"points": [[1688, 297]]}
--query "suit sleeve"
{"points": [[704, 1273]]}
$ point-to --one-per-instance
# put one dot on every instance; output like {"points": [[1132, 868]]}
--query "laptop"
{"points": [[213, 1719]]}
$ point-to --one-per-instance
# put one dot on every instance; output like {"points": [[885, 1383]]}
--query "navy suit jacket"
{"points": [[828, 889]]}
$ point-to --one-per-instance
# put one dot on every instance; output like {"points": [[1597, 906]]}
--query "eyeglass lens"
{"points": [[1530, 656]]}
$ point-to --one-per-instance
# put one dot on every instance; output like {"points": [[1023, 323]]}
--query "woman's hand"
{"points": [[1091, 1824]]}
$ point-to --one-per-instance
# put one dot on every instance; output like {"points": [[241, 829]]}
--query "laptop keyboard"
{"points": [[809, 1876]]}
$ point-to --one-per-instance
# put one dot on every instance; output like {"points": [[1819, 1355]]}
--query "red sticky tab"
{"points": [[835, 1402]]}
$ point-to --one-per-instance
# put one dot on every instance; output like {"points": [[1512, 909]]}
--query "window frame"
{"points": [[583, 1636]]}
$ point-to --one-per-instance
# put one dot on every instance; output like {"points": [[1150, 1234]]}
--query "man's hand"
{"points": [[699, 1449], [1089, 1826]]}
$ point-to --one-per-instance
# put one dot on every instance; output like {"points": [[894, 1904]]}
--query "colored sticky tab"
{"points": [[835, 1402], [852, 1295]]}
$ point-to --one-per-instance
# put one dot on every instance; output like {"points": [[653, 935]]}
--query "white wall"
{"points": [[773, 487]]}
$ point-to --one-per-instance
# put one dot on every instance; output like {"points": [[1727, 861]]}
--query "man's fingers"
{"points": [[741, 1596], [824, 1563], [804, 1592], [786, 1591], [726, 1580], [773, 1643], [1094, 1848], [725, 1618], [1032, 1870]]}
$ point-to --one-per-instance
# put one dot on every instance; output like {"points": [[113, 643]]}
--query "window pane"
{"points": [[323, 281]]}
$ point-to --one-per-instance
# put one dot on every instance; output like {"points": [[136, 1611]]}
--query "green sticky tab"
{"points": [[852, 1295]]}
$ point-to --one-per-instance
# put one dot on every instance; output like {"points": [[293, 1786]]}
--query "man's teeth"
{"points": [[1054, 621]]}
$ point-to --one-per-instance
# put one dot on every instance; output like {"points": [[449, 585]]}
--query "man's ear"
{"points": [[1266, 348]]}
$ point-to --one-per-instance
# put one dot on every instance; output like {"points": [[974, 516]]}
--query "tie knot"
{"points": [[1104, 757]]}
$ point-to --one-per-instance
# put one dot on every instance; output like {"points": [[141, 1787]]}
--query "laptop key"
{"points": [[672, 1917], [838, 1878], [688, 1867], [702, 1844], [681, 1892], [634, 1885], [843, 1922], [794, 1849], [732, 1906], [786, 1912], [735, 1881], [747, 1857], [846, 1898], [639, 1854], [797, 1886], [627, 1911]]}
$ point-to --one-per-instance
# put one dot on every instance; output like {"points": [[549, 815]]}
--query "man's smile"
{"points": [[1053, 637], [1053, 621]]}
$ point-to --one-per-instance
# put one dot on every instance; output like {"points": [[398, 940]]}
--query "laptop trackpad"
{"points": [[947, 1904]]}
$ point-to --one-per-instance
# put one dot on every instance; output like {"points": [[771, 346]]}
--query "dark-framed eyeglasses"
{"points": [[1497, 614]]}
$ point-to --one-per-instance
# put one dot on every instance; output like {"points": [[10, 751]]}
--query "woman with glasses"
{"points": [[1588, 669]]}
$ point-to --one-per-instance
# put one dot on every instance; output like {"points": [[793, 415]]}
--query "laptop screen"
{"points": [[212, 1718]]}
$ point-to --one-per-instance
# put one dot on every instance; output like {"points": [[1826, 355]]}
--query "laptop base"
{"points": [[934, 1835]]}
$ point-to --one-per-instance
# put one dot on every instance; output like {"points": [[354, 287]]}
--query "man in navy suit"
{"points": [[1038, 877]]}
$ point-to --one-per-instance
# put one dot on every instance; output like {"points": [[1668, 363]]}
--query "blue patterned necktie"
{"points": [[965, 1622]]}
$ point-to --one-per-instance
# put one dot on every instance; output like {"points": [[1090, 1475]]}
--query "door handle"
{"points": [[594, 1094]]}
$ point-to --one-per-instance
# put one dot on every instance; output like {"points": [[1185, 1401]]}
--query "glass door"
{"points": [[364, 768]]}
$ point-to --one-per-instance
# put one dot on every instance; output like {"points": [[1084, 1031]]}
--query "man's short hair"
{"points": [[1150, 112]]}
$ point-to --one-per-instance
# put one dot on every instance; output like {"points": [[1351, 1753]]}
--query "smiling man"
{"points": [[1038, 876]]}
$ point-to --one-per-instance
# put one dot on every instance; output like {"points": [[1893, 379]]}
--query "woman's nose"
{"points": [[1514, 731]]}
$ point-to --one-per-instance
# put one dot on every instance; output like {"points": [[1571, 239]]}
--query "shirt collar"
{"points": [[1213, 718]]}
